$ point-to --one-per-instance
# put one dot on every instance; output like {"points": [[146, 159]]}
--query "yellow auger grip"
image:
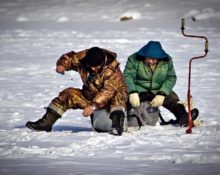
{"points": [[206, 46]]}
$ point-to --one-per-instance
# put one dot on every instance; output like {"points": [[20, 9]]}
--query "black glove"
{"points": [[117, 118]]}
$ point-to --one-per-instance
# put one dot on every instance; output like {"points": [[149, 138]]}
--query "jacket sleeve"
{"points": [[130, 73], [109, 89], [170, 81], [71, 60]]}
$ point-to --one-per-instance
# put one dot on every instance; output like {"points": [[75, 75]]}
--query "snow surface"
{"points": [[34, 34]]}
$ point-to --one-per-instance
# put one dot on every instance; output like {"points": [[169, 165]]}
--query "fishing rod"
{"points": [[189, 96]]}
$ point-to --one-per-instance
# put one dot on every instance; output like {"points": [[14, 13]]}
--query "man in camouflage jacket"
{"points": [[103, 88]]}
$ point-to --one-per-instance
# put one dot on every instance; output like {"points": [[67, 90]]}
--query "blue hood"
{"points": [[153, 49]]}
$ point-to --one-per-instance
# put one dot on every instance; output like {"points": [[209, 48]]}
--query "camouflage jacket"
{"points": [[107, 89]]}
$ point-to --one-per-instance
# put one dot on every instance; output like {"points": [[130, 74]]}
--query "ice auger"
{"points": [[189, 130]]}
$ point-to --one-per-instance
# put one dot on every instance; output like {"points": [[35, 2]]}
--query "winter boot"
{"points": [[45, 123], [117, 117], [183, 121]]}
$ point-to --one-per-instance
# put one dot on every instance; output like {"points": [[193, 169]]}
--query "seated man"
{"points": [[103, 88], [150, 76]]}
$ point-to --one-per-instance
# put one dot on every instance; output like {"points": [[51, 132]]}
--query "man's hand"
{"points": [[60, 69], [157, 101], [88, 111], [134, 100]]}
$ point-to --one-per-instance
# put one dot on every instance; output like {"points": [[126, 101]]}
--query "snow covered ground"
{"points": [[34, 34]]}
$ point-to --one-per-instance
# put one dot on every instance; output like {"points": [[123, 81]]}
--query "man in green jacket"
{"points": [[150, 76]]}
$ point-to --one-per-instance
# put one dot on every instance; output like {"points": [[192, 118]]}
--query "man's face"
{"points": [[151, 61], [96, 69]]}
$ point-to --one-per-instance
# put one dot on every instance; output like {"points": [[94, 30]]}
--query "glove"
{"points": [[197, 122], [157, 101], [134, 100]]}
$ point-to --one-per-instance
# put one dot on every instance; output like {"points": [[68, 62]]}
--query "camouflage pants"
{"points": [[71, 98]]}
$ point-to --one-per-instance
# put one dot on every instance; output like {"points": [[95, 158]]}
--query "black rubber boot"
{"points": [[181, 115], [45, 123], [183, 121], [117, 117]]}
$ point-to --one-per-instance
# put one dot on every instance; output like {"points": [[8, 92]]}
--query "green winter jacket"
{"points": [[139, 76]]}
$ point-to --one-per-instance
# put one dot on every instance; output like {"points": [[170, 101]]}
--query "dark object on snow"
{"points": [[126, 18], [193, 18]]}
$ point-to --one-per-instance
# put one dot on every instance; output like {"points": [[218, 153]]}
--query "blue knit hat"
{"points": [[153, 49]]}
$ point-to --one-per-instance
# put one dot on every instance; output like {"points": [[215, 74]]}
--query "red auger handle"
{"points": [[189, 130], [194, 36]]}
